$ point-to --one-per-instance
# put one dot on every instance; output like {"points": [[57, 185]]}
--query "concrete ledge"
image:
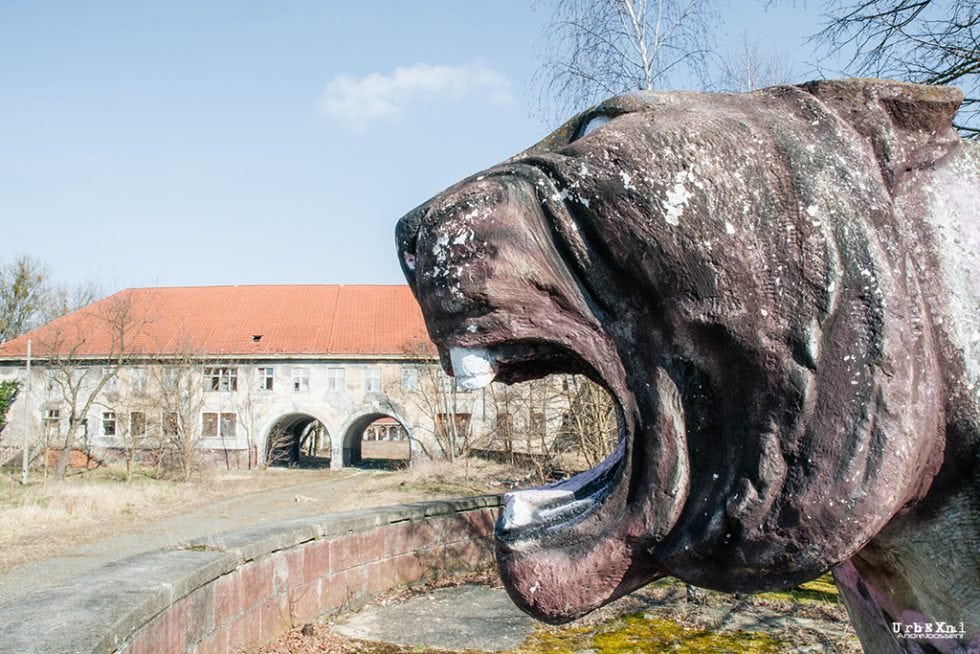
{"points": [[238, 590]]}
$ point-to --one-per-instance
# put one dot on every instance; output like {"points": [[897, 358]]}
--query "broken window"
{"points": [[301, 379], [52, 421], [445, 422], [266, 378], [137, 423], [171, 423], [221, 379], [108, 423]]}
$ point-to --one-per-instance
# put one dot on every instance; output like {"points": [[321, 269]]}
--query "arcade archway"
{"points": [[298, 440], [377, 440]]}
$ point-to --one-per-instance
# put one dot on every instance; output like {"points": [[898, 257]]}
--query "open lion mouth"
{"points": [[544, 512], [494, 265]]}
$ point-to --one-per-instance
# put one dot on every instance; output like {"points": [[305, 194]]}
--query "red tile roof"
{"points": [[241, 320]]}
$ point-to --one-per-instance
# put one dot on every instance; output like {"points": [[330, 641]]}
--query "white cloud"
{"points": [[358, 101]]}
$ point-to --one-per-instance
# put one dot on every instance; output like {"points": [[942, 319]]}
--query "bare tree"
{"points": [[80, 379], [747, 67], [134, 429], [62, 299], [508, 403], [449, 410], [436, 397], [598, 48], [177, 386], [589, 426], [23, 290], [924, 41], [250, 411]]}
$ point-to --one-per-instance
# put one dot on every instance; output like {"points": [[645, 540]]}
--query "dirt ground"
{"points": [[661, 617]]}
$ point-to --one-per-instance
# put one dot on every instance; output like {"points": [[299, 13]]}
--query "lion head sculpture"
{"points": [[779, 289]]}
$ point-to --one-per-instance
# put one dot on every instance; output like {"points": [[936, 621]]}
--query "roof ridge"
{"points": [[296, 319], [256, 285]]}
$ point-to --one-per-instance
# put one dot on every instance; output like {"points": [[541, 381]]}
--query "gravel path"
{"points": [[341, 492]]}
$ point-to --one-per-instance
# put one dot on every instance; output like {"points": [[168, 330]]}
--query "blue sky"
{"points": [[198, 143]]}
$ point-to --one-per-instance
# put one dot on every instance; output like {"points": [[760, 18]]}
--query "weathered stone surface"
{"points": [[238, 590], [780, 290]]}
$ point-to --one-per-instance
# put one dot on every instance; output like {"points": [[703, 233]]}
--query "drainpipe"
{"points": [[27, 418]]}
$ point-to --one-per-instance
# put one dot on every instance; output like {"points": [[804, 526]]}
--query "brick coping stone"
{"points": [[236, 590]]}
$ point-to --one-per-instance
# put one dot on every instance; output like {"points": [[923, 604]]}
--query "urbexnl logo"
{"points": [[929, 630]]}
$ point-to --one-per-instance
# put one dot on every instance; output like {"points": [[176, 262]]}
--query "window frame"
{"points": [[52, 421], [409, 378], [266, 376], [135, 428], [336, 378], [372, 374], [221, 379], [109, 423], [221, 419], [300, 379], [170, 419], [137, 379]]}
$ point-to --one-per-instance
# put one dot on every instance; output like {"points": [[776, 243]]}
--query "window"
{"points": [[209, 424], [410, 379], [137, 380], [537, 425], [170, 378], [219, 424], [372, 380], [82, 423], [266, 378], [229, 422], [112, 379], [444, 422], [137, 423], [52, 421], [505, 426], [301, 379], [221, 379], [336, 379], [171, 423], [108, 423]]}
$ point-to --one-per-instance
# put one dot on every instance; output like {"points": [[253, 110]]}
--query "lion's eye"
{"points": [[590, 125]]}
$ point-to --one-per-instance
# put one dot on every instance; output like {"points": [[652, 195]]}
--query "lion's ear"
{"points": [[907, 125], [911, 107]]}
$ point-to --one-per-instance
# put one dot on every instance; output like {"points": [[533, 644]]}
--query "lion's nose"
{"points": [[406, 239]]}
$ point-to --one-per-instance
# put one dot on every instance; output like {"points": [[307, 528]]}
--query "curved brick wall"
{"points": [[241, 589]]}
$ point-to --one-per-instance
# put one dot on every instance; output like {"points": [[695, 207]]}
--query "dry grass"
{"points": [[44, 517], [47, 518]]}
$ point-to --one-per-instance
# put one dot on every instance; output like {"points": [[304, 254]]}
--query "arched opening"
{"points": [[377, 440], [298, 440]]}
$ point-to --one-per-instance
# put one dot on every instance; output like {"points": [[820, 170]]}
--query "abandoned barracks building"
{"points": [[245, 374]]}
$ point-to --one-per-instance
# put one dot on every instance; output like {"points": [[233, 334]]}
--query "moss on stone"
{"points": [[643, 633], [821, 589]]}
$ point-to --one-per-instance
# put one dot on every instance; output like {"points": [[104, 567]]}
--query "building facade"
{"points": [[239, 376]]}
